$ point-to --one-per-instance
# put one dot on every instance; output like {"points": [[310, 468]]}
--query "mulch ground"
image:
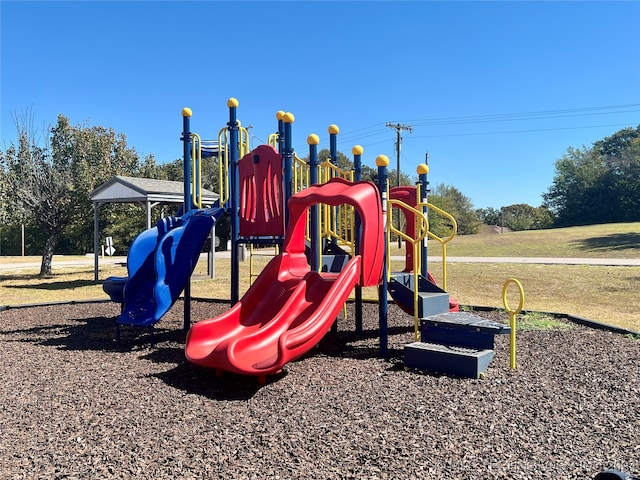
{"points": [[74, 404]]}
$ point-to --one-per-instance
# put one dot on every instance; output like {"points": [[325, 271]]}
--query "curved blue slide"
{"points": [[160, 262]]}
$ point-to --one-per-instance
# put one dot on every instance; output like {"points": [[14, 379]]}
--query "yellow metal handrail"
{"points": [[243, 140], [223, 165], [327, 171], [223, 156], [300, 174], [443, 241], [337, 222], [196, 169], [343, 217], [512, 317], [422, 229]]}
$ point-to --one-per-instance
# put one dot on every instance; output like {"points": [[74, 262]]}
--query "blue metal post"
{"points": [[186, 142], [357, 164], [234, 196], [280, 116], [333, 143], [333, 158], [313, 141], [382, 162], [423, 170], [287, 158]]}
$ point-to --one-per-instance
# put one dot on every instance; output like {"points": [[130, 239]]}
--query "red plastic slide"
{"points": [[289, 308]]}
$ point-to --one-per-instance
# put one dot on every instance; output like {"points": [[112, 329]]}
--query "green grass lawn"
{"points": [[602, 293], [615, 240]]}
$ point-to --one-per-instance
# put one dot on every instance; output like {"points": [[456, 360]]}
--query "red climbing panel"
{"points": [[365, 197], [407, 195], [261, 197]]}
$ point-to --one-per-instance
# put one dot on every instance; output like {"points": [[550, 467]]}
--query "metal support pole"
{"points": [[96, 241], [382, 162], [188, 205], [313, 141], [357, 164], [280, 116], [287, 158], [234, 186], [398, 128], [333, 158], [423, 170]]}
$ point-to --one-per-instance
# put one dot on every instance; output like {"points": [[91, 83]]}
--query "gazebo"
{"points": [[145, 191]]}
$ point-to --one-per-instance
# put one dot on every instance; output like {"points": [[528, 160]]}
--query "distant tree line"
{"points": [[46, 179], [600, 184], [520, 216]]}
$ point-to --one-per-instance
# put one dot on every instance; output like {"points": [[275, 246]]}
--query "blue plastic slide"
{"points": [[160, 262]]}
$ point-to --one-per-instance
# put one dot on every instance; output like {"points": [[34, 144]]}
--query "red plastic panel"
{"points": [[288, 309], [280, 318], [407, 195], [365, 198], [261, 196]]}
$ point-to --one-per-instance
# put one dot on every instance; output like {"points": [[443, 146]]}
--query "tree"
{"points": [[615, 145], [452, 201], [522, 216], [599, 184], [49, 185], [489, 215]]}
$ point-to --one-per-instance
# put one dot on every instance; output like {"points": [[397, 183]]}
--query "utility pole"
{"points": [[399, 128]]}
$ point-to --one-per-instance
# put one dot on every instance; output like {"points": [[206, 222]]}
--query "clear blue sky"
{"points": [[494, 91]]}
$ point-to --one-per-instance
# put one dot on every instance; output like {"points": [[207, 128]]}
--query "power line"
{"points": [[504, 132], [375, 129], [535, 115], [399, 128]]}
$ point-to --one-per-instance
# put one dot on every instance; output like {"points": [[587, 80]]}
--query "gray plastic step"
{"points": [[461, 329], [465, 321], [447, 359], [432, 300]]}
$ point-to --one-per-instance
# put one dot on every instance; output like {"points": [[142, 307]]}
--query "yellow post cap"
{"points": [[279, 114], [232, 102], [423, 169], [288, 117], [382, 161], [186, 112], [313, 139], [357, 150], [333, 129]]}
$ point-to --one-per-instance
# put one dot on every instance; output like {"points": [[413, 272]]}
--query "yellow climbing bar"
{"points": [[443, 241], [223, 158], [196, 169]]}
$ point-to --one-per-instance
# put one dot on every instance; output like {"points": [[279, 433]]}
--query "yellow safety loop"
{"points": [[196, 169], [512, 316], [273, 140]]}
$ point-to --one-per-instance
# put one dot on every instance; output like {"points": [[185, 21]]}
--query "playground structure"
{"points": [[332, 231]]}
